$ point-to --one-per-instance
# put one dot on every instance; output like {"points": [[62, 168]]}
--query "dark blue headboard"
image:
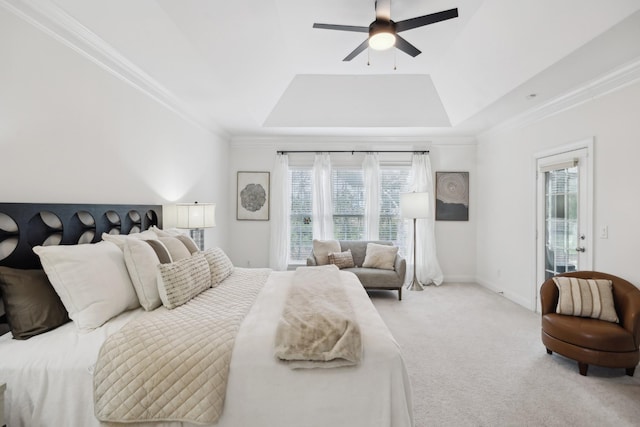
{"points": [[25, 225], [33, 224]]}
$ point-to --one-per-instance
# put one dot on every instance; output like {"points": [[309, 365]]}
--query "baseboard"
{"points": [[510, 296], [459, 279]]}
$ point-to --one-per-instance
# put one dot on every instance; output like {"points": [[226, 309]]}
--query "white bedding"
{"points": [[49, 377]]}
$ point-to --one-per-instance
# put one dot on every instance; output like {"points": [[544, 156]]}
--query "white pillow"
{"points": [[182, 280], [380, 256], [119, 239], [321, 249], [166, 233], [142, 263], [219, 263], [91, 280]]}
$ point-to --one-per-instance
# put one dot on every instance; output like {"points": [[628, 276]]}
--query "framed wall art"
{"points": [[253, 196], [452, 196]]}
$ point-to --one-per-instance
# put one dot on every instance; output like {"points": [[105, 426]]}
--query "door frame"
{"points": [[586, 190]]}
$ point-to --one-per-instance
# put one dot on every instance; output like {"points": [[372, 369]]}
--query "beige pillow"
{"points": [[189, 243], [380, 256], [341, 259], [176, 248], [322, 248], [142, 263], [586, 298], [161, 251], [182, 280]]}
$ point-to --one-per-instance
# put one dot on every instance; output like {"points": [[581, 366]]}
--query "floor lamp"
{"points": [[414, 206], [195, 217]]}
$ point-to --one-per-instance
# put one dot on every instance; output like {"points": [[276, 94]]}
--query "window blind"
{"points": [[348, 203]]}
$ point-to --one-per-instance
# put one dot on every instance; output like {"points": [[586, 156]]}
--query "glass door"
{"points": [[563, 233]]}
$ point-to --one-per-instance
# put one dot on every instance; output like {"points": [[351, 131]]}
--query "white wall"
{"points": [[506, 192], [456, 241], [70, 132]]}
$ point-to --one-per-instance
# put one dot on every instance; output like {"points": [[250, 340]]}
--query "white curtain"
{"points": [[322, 205], [280, 212], [428, 268], [371, 168]]}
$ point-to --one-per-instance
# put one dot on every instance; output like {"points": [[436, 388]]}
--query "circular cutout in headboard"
{"points": [[7, 224], [8, 235], [114, 223], [45, 228], [112, 217], [150, 219], [82, 228]]}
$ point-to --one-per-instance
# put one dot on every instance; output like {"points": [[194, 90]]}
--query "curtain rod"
{"points": [[355, 151]]}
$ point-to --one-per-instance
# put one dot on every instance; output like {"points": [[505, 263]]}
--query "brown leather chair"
{"points": [[592, 341]]}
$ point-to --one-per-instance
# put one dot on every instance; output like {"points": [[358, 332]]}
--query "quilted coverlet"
{"points": [[173, 365]]}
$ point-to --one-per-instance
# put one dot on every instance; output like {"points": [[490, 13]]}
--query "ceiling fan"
{"points": [[383, 32]]}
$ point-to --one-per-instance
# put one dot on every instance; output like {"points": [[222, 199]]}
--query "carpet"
{"points": [[476, 359]]}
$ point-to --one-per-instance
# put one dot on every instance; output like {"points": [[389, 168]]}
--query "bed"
{"points": [[50, 376]]}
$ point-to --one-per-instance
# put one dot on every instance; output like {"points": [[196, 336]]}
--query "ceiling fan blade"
{"points": [[420, 21], [383, 10], [342, 27], [407, 47], [357, 50]]}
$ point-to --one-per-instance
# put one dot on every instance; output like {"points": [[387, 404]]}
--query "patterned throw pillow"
{"points": [[219, 263], [341, 259], [586, 298], [182, 280]]}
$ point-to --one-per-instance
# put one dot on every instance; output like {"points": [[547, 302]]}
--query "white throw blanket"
{"points": [[318, 327], [173, 365]]}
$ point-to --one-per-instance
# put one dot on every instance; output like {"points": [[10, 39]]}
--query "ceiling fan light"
{"points": [[382, 41]]}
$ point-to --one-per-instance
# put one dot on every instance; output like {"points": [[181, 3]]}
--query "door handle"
{"points": [[580, 249]]}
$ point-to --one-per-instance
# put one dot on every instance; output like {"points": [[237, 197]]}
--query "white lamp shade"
{"points": [[195, 215], [414, 205]]}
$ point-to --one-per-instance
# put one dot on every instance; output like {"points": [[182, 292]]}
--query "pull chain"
{"points": [[395, 59], [368, 56]]}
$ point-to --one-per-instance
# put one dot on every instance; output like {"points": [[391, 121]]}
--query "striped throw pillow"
{"points": [[586, 298]]}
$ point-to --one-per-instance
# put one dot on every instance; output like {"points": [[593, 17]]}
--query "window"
{"points": [[300, 220], [348, 207], [393, 181], [348, 203]]}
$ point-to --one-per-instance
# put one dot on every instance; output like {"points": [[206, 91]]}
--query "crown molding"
{"points": [[55, 22], [372, 143], [615, 80]]}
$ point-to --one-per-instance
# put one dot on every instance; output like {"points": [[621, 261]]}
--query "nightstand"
{"points": [[3, 387]]}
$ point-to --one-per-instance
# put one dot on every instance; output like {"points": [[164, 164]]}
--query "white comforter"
{"points": [[49, 377]]}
